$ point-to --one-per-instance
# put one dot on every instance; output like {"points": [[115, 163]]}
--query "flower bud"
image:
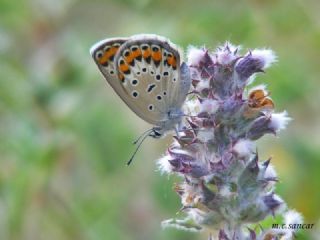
{"points": [[279, 121], [225, 186], [196, 56]]}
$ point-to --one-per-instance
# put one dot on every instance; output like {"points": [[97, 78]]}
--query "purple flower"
{"points": [[225, 186]]}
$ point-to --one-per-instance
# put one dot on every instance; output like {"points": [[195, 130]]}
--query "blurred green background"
{"points": [[65, 136]]}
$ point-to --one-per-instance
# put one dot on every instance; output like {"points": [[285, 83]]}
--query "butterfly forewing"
{"points": [[150, 69]]}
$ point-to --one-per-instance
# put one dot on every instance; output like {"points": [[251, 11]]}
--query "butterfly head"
{"points": [[156, 133], [174, 116]]}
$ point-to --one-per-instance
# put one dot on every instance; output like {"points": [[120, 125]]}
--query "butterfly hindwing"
{"points": [[181, 89]]}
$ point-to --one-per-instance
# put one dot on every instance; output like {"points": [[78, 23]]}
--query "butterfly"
{"points": [[145, 71]]}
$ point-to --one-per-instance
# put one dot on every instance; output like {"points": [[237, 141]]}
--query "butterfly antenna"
{"points": [[137, 148], [142, 135]]}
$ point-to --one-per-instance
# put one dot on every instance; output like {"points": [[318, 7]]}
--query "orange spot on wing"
{"points": [[129, 58], [121, 77], [124, 67], [136, 53], [108, 54], [157, 56], [146, 53], [171, 60]]}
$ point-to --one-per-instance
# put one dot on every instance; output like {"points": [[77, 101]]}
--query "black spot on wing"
{"points": [[150, 107], [126, 53], [148, 59], [127, 72], [132, 63], [150, 88], [135, 94], [157, 63]]}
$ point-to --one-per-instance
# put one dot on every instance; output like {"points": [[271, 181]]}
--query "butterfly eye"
{"points": [[99, 54]]}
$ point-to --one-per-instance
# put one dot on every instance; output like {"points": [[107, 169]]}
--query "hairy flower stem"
{"points": [[226, 187]]}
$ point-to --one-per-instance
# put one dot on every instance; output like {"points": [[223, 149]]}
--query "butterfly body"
{"points": [[145, 71]]}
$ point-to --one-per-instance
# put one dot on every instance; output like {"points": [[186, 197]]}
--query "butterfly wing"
{"points": [[149, 68], [103, 54], [181, 89]]}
